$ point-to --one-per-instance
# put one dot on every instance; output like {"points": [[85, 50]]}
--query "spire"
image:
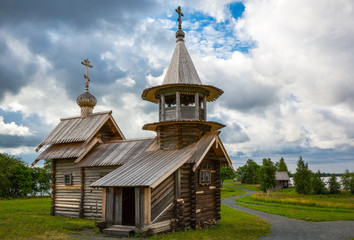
{"points": [[181, 69], [86, 101]]}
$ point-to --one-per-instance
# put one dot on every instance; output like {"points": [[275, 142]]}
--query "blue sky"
{"points": [[285, 68]]}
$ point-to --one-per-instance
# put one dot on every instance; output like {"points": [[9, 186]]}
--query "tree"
{"points": [[249, 173], [345, 179], [281, 165], [268, 175], [351, 184], [302, 178], [333, 185], [226, 172], [318, 186]]}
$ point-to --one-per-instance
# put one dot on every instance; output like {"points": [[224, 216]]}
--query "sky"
{"points": [[286, 68]]}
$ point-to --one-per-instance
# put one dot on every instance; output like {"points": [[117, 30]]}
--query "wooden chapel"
{"points": [[170, 182]]}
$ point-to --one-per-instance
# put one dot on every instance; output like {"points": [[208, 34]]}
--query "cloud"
{"points": [[13, 129]]}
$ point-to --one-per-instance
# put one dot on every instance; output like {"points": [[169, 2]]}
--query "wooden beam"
{"points": [[177, 184], [196, 97], [104, 199], [205, 108], [137, 207], [162, 107], [52, 209], [82, 189], [118, 206], [178, 105], [147, 206]]}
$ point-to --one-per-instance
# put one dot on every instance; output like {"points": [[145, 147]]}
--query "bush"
{"points": [[318, 186], [351, 184]]}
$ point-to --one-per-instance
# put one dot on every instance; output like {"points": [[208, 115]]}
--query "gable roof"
{"points": [[154, 165], [282, 176], [79, 129], [115, 152]]}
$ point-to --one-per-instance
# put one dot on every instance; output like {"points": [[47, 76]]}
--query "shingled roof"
{"points": [[282, 176], [79, 129], [154, 165]]}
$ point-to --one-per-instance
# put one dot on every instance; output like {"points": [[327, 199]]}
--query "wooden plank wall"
{"points": [[206, 204], [161, 197], [67, 197], [93, 196]]}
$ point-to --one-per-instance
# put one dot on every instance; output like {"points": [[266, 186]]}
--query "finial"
{"points": [[179, 33], [86, 63]]}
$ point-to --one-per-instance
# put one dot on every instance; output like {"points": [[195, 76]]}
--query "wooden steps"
{"points": [[119, 230]]}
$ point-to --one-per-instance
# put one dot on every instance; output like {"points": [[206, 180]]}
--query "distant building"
{"points": [[169, 182], [283, 180]]}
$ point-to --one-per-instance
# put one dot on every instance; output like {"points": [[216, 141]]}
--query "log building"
{"points": [[170, 182]]}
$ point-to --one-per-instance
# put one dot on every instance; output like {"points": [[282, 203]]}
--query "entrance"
{"points": [[128, 206]]}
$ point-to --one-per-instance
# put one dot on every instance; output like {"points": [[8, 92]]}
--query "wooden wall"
{"points": [[67, 197], [93, 196], [162, 201], [186, 171]]}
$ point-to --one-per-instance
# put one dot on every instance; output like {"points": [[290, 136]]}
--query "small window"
{"points": [[68, 180]]}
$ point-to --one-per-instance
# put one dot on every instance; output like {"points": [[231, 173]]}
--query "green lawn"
{"points": [[314, 208], [30, 219]]}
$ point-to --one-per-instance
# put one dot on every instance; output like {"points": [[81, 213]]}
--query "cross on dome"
{"points": [[86, 63], [179, 11]]}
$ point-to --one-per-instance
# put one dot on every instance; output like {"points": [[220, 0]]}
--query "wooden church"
{"points": [[152, 185]]}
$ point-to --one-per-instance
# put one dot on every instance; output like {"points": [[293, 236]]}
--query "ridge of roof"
{"points": [[129, 140], [91, 115]]}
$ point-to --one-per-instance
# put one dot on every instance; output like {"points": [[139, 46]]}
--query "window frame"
{"points": [[68, 179]]}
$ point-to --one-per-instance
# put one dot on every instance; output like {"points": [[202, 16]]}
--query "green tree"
{"points": [[268, 175], [249, 173], [226, 172], [281, 165], [333, 185], [345, 179], [20, 181], [302, 178], [351, 184], [318, 186]]}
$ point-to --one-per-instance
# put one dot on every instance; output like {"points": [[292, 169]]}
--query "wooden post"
{"points": [[109, 205], [104, 200], [147, 206], [82, 189], [178, 105], [52, 209], [177, 184], [162, 107], [118, 206], [205, 107], [137, 207], [193, 202], [196, 97]]}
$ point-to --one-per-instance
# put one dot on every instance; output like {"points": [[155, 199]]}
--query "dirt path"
{"points": [[288, 229]]}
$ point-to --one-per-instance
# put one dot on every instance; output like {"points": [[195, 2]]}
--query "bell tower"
{"points": [[182, 100]]}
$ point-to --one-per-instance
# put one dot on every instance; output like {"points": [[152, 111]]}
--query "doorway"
{"points": [[128, 206]]}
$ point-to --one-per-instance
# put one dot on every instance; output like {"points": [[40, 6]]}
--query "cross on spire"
{"points": [[86, 63], [179, 11]]}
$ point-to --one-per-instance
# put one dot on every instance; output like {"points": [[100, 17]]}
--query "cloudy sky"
{"points": [[286, 68]]}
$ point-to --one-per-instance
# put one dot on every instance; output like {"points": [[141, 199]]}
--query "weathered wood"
{"points": [[177, 184], [81, 213], [147, 206], [66, 205], [196, 106], [178, 105], [137, 207], [118, 201], [52, 209], [109, 205]]}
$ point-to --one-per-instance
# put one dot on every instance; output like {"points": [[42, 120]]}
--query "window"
{"points": [[205, 177], [68, 180]]}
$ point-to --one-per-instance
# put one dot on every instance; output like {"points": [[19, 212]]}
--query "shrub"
{"points": [[333, 185]]}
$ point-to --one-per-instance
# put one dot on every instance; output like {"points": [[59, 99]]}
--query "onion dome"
{"points": [[86, 100]]}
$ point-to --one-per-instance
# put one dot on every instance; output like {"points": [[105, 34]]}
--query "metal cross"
{"points": [[179, 11], [86, 63]]}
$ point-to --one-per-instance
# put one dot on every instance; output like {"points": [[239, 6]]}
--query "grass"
{"points": [[30, 219], [315, 208], [251, 187]]}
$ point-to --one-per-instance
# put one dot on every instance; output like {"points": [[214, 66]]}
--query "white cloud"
{"points": [[13, 129]]}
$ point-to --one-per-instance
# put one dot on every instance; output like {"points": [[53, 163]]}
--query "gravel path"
{"points": [[288, 229]]}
